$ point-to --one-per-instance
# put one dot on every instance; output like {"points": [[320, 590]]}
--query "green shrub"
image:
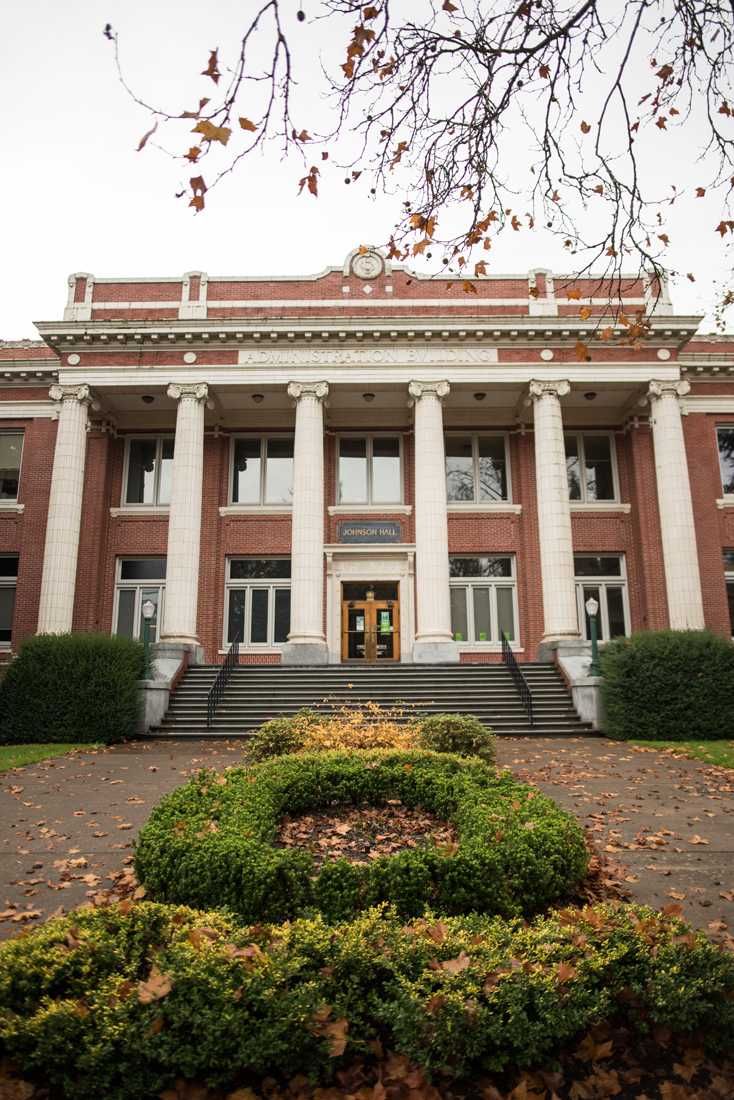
{"points": [[462, 734], [71, 688], [672, 685], [210, 843], [280, 736], [121, 1001]]}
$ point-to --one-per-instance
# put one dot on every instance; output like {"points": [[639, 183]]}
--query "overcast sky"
{"points": [[75, 196]]}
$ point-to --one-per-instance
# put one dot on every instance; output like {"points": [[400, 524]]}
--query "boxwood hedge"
{"points": [[123, 1000], [211, 842]]}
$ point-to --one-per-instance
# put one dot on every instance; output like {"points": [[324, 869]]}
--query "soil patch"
{"points": [[364, 833]]}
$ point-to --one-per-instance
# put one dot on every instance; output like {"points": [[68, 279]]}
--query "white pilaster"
{"points": [[680, 554], [306, 640], [184, 518], [560, 617], [433, 640], [56, 609]]}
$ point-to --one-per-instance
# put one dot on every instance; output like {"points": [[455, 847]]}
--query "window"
{"points": [[258, 600], [590, 467], [603, 577], [8, 581], [725, 438], [729, 574], [483, 599], [476, 468], [149, 471], [370, 470], [138, 580], [11, 448], [262, 470]]}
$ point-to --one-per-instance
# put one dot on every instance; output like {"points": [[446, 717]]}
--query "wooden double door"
{"points": [[370, 630]]}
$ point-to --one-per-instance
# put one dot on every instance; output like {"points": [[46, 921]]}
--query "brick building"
{"points": [[364, 464]]}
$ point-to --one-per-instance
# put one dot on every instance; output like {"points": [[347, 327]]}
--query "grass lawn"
{"points": [[711, 752], [16, 756]]}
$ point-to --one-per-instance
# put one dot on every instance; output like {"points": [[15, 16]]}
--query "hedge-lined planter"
{"points": [[121, 1001], [210, 843]]}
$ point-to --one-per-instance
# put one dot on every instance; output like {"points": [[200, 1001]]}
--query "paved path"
{"points": [[67, 824]]}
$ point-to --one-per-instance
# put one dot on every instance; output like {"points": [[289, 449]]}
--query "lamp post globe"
{"points": [[592, 610], [148, 611]]}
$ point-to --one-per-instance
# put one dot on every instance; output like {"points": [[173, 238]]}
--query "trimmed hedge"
{"points": [[71, 688], [123, 1000], [460, 733], [672, 685], [210, 843]]}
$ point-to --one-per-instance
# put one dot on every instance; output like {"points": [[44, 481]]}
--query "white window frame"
{"points": [[477, 502], [602, 583], [8, 502], [248, 584], [723, 428], [493, 583], [121, 584], [10, 582], [280, 506], [154, 505], [370, 437], [579, 437]]}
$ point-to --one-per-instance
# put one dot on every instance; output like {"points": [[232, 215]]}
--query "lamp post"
{"points": [[592, 609], [148, 610]]}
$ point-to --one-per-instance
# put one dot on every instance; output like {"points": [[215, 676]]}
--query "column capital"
{"points": [[657, 389], [319, 390], [82, 393], [198, 391], [555, 388], [438, 390]]}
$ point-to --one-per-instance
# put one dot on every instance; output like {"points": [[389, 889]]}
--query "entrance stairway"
{"points": [[256, 693]]}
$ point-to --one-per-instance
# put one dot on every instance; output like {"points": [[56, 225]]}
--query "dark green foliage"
{"points": [[457, 997], [675, 685], [459, 733], [211, 842], [280, 736], [71, 688]]}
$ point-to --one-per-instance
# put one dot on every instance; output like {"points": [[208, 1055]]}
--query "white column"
{"points": [[56, 610], [560, 616], [680, 554], [184, 516], [433, 640], [306, 641]]}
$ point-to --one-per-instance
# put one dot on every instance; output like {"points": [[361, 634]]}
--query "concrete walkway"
{"points": [[68, 824]]}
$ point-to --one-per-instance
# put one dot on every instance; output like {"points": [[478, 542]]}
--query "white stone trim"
{"points": [[79, 311], [367, 357], [11, 506], [494, 507], [255, 510], [370, 509], [397, 302], [155, 510], [393, 563], [600, 506], [705, 403], [725, 502], [27, 410]]}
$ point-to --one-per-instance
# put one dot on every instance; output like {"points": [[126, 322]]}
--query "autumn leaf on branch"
{"points": [[212, 69], [246, 124], [144, 139], [310, 181], [210, 132], [199, 189]]}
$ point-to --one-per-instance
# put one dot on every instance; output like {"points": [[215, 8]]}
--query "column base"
{"points": [[305, 653], [435, 653], [571, 645], [168, 655]]}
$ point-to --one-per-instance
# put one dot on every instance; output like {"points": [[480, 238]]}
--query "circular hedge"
{"points": [[210, 843]]}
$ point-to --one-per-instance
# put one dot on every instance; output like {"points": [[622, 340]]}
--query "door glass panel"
{"points": [[246, 472], [384, 637], [279, 472], [259, 615], [353, 471], [282, 614], [615, 609], [505, 613], [141, 471], [588, 593], [730, 597], [11, 445], [164, 482], [573, 467], [356, 626], [458, 614], [235, 625], [482, 623], [386, 471], [598, 456], [459, 468], [152, 594], [7, 604], [126, 612], [492, 471]]}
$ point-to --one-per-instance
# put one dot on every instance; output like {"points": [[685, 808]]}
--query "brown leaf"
{"points": [[455, 966], [449, 7], [585, 128], [468, 287], [582, 351], [157, 986], [336, 1033], [696, 839], [246, 124], [212, 69], [144, 141], [565, 972], [210, 132]]}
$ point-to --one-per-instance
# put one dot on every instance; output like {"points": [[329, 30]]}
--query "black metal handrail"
{"points": [[222, 678], [520, 682]]}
